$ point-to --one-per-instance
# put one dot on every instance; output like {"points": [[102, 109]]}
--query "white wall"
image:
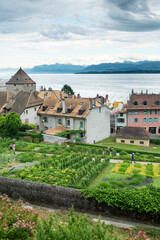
{"points": [[98, 124], [31, 117], [53, 139]]}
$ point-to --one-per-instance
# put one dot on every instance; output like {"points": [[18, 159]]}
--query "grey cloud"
{"points": [[130, 15]]}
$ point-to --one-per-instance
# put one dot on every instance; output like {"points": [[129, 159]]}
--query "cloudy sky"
{"points": [[34, 32]]}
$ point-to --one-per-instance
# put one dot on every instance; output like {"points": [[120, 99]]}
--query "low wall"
{"points": [[53, 139], [64, 197]]}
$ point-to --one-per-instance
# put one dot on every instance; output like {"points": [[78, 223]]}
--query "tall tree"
{"points": [[67, 89], [12, 124]]}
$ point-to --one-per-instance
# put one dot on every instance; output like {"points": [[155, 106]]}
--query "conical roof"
{"points": [[20, 78]]}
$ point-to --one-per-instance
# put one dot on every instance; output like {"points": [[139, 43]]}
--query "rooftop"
{"points": [[20, 78], [133, 133]]}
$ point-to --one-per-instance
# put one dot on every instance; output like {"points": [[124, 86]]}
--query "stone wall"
{"points": [[65, 197]]}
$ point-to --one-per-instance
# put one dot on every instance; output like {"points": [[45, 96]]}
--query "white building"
{"points": [[118, 118], [88, 115]]}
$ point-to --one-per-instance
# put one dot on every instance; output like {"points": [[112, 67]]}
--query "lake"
{"points": [[117, 86]]}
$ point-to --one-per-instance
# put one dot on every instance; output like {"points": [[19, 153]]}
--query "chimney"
{"points": [[44, 89], [41, 89], [46, 95], [132, 91], [102, 100], [146, 91], [78, 95], [141, 91], [63, 105], [60, 96], [90, 103], [50, 89], [69, 95], [94, 101], [106, 96], [97, 95]]}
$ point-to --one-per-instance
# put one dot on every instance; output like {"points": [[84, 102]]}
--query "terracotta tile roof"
{"points": [[58, 129], [25, 100], [133, 133], [20, 78], [5, 99], [124, 108], [144, 101], [52, 94], [77, 107]]}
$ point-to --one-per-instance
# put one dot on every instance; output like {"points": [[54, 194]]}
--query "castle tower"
{"points": [[20, 81]]}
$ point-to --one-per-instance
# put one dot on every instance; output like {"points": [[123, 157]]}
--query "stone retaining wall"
{"points": [[64, 197]]}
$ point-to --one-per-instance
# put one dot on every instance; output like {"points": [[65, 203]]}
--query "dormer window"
{"points": [[52, 107], [81, 103], [135, 103], [81, 111], [59, 110], [144, 103], [69, 110], [44, 108], [156, 102]]}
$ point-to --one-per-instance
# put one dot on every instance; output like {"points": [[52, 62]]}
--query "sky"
{"points": [[35, 32]]}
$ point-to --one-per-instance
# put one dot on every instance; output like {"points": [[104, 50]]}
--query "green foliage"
{"points": [[76, 227], [31, 135], [26, 126], [155, 141], [141, 200], [10, 124], [67, 89], [71, 132]]}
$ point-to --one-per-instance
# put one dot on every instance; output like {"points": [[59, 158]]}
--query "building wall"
{"points": [[30, 115], [152, 119], [15, 88], [53, 139], [98, 124], [136, 141]]}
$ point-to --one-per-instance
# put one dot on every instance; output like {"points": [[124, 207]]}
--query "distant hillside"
{"points": [[125, 67], [56, 68]]}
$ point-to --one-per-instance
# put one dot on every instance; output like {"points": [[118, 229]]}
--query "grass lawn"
{"points": [[112, 143], [106, 174]]}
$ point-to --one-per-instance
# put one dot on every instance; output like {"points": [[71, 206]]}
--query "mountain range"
{"points": [[103, 68]]}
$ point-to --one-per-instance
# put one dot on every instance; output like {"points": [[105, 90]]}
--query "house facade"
{"points": [[118, 118], [144, 111], [133, 136], [84, 114]]}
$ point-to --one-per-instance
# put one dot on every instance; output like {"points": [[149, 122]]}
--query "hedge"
{"points": [[155, 141], [31, 135], [118, 149]]}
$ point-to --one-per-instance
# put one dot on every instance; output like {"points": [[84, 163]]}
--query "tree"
{"points": [[11, 124], [67, 89]]}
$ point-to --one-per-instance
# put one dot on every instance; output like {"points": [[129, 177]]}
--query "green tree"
{"points": [[11, 124], [67, 89]]}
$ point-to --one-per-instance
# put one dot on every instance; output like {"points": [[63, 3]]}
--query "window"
{"points": [[26, 111], [120, 120], [141, 142], [131, 141], [155, 112], [121, 114], [59, 110], [14, 84], [52, 107], [150, 112], [81, 103], [122, 141], [136, 112], [68, 122], [135, 103], [44, 108], [59, 121], [46, 128], [81, 124], [136, 120], [130, 112], [144, 103], [81, 111], [145, 112], [156, 102], [159, 130], [35, 109], [81, 135], [130, 120], [46, 119], [150, 120], [156, 120], [69, 110], [144, 120]]}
